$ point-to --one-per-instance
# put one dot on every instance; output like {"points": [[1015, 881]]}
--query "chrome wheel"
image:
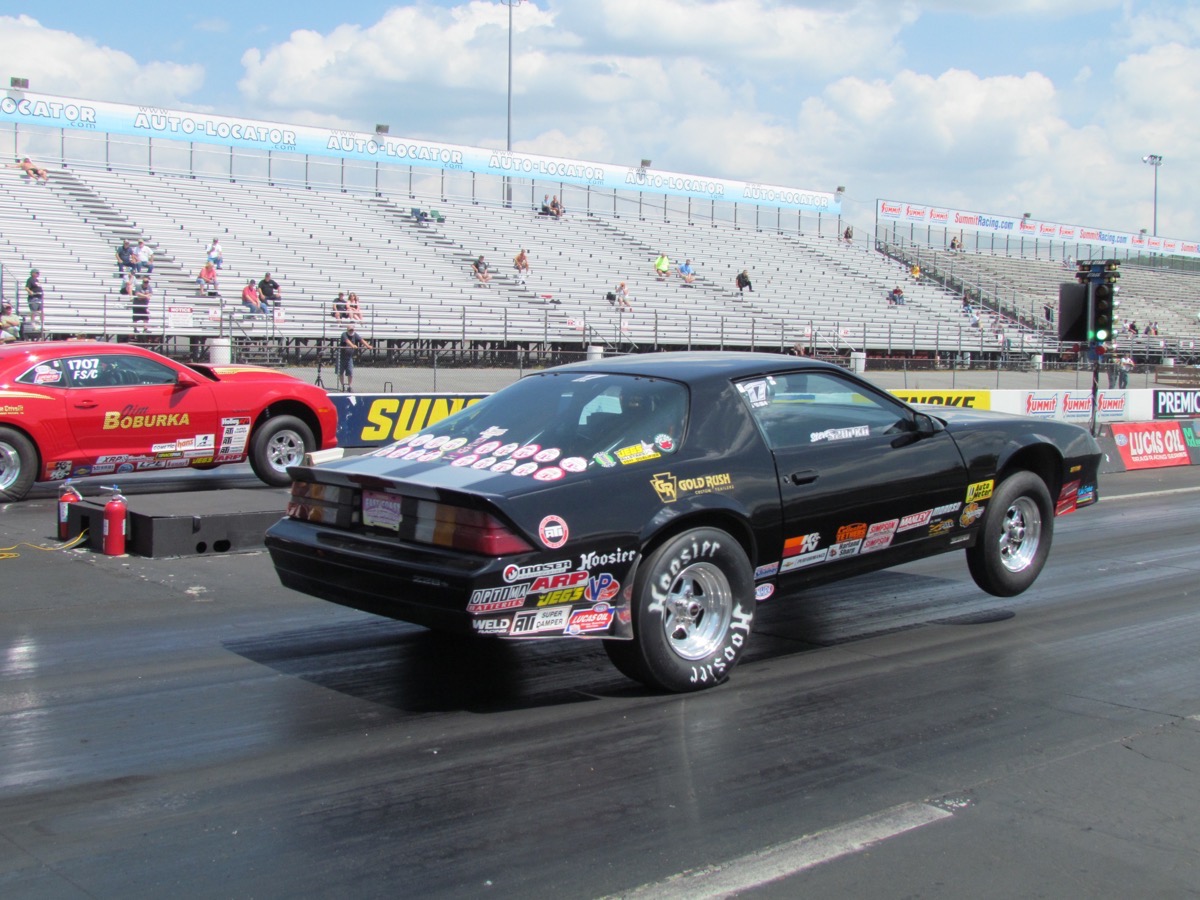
{"points": [[1020, 534], [697, 611], [10, 466], [285, 448]]}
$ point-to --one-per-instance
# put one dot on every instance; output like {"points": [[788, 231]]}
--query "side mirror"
{"points": [[186, 380], [927, 424]]}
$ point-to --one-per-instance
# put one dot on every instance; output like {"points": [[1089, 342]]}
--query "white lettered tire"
{"points": [[693, 608]]}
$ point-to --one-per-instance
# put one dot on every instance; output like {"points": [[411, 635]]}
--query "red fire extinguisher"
{"points": [[66, 497], [114, 523]]}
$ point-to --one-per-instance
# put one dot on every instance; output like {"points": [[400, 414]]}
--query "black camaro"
{"points": [[655, 500]]}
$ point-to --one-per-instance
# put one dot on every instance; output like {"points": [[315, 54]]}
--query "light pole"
{"points": [[508, 141], [1155, 160]]}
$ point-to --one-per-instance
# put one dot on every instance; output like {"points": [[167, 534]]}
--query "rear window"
{"points": [[576, 420]]}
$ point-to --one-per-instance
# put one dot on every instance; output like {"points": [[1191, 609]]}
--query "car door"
{"points": [[130, 411], [860, 473]]}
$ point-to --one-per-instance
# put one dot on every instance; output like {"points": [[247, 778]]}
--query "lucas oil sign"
{"points": [[367, 420]]}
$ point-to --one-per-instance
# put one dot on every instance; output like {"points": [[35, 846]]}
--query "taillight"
{"points": [[470, 530], [409, 519]]}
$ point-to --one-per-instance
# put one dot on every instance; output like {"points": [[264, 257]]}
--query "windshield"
{"points": [[573, 421]]}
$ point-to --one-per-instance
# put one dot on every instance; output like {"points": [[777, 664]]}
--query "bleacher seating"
{"points": [[410, 266]]}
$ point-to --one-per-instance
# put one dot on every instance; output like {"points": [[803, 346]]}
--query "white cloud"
{"points": [[64, 63]]}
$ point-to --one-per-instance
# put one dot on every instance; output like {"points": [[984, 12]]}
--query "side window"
{"points": [[116, 371], [801, 408], [49, 373]]}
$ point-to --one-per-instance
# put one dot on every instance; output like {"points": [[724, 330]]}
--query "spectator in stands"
{"points": [[897, 296], [556, 208], [214, 253], [621, 297], [206, 281], [351, 341], [915, 271], [480, 268], [125, 258], [546, 210], [521, 264], [141, 306], [686, 272], [848, 234], [662, 266], [743, 281], [10, 325], [269, 291], [252, 299], [340, 311], [352, 308], [36, 173], [128, 286], [143, 258], [35, 298], [1133, 329]]}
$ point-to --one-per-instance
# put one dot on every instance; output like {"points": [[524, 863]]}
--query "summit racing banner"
{"points": [[366, 420]]}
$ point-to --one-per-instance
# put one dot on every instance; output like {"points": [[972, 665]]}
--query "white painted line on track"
{"points": [[773, 863], [1142, 495]]}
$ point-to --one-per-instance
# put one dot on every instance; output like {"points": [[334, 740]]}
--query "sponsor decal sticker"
{"points": [[1068, 498], [525, 469], [764, 592], [491, 626], [513, 572], [670, 488], [601, 588], [584, 621], [970, 514], [840, 434], [888, 527], [553, 531], [550, 454], [766, 571], [917, 520], [941, 526], [857, 531], [533, 621], [981, 490], [946, 510], [589, 561], [803, 561], [844, 548], [605, 460], [755, 392], [635, 453], [527, 451], [463, 461], [573, 464], [550, 473], [805, 543], [877, 542], [497, 599]]}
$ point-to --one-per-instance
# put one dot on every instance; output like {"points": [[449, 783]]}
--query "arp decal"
{"points": [[981, 490], [553, 531]]}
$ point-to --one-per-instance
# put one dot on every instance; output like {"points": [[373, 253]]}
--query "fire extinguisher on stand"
{"points": [[114, 523], [66, 497]]}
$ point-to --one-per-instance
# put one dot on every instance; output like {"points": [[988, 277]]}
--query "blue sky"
{"points": [[1040, 106]]}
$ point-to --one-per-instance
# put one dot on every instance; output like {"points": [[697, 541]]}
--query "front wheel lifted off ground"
{"points": [[18, 464], [1015, 541], [279, 442], [693, 607]]}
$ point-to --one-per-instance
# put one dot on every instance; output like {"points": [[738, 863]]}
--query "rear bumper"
{"points": [[374, 576]]}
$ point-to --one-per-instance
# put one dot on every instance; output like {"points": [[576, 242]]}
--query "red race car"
{"points": [[76, 408]]}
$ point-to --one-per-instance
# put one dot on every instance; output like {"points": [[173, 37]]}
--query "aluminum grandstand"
{"points": [[402, 233]]}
